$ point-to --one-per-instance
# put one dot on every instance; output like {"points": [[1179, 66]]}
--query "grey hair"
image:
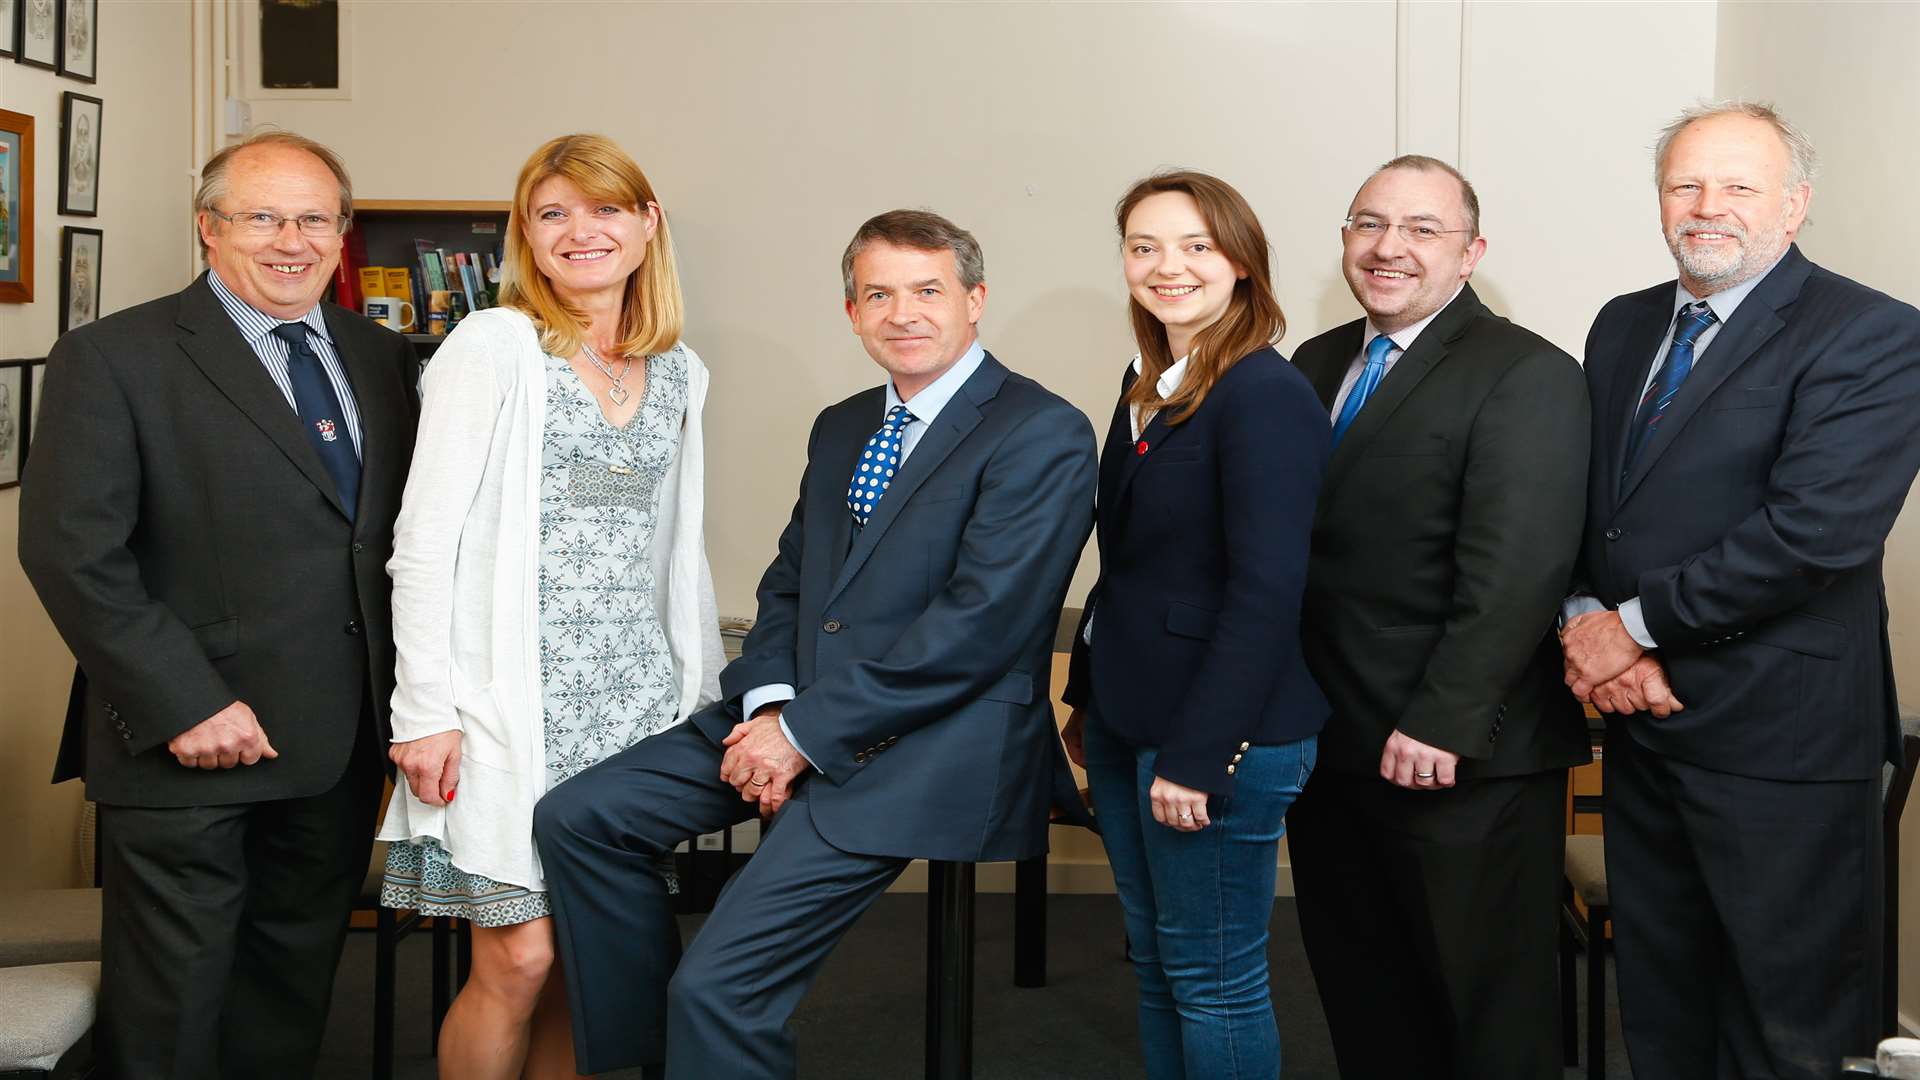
{"points": [[1802, 164], [213, 175], [918, 230], [1469, 198]]}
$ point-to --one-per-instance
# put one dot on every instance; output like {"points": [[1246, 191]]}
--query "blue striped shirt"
{"points": [[257, 328]]}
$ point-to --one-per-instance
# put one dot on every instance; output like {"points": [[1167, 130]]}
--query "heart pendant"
{"points": [[617, 394]]}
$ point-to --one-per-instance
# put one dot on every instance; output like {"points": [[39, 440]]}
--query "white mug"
{"points": [[390, 312]]}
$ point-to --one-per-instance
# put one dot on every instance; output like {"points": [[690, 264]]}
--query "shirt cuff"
{"points": [[1086, 632], [1636, 623], [788, 732], [1577, 605], [752, 700]]}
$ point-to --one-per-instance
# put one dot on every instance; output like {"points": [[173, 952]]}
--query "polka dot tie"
{"points": [[878, 461]]}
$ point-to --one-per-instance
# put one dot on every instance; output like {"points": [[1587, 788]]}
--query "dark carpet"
{"points": [[863, 1020]]}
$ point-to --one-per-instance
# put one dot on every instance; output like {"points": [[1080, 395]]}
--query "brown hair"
{"points": [[1469, 199], [213, 175], [1252, 320], [653, 313], [917, 230]]}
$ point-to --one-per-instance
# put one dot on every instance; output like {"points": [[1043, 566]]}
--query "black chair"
{"points": [[1898, 782], [390, 928], [1586, 878]]}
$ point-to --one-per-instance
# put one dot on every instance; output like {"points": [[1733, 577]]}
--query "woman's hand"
{"points": [[1178, 807], [1070, 735], [431, 765]]}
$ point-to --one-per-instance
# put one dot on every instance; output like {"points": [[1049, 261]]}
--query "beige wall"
{"points": [[145, 151], [1845, 73]]}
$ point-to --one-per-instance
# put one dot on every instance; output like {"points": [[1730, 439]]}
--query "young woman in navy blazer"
{"points": [[1193, 711]]}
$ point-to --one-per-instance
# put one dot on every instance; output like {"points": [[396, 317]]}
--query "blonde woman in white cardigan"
{"points": [[551, 597]]}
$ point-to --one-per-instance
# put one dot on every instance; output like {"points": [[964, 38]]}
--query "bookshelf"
{"points": [[389, 232]]}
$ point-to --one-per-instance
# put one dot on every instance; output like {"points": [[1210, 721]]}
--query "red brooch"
{"points": [[1142, 447]]}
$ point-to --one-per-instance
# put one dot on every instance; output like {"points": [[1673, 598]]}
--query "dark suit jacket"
{"points": [[1446, 539], [1203, 556], [190, 548], [920, 646], [1752, 525]]}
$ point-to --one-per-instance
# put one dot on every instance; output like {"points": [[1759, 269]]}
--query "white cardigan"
{"points": [[466, 614]]}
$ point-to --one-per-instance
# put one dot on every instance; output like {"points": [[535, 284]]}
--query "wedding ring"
{"points": [[1423, 776]]}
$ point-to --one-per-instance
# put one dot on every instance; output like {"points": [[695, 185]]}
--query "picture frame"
{"points": [[81, 261], [36, 33], [16, 416], [9, 33], [80, 154], [78, 29], [16, 208], [297, 49]]}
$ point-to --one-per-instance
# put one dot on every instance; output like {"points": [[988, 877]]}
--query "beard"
{"points": [[1751, 254]]}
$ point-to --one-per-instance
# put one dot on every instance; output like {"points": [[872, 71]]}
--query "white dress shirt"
{"points": [[925, 406], [1723, 304]]}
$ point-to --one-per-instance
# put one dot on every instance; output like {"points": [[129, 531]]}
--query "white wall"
{"points": [[144, 197], [1845, 74]]}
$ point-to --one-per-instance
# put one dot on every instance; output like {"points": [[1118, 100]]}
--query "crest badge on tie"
{"points": [[325, 428]]}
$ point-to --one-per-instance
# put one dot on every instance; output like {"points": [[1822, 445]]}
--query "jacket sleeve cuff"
{"points": [[1207, 769]]}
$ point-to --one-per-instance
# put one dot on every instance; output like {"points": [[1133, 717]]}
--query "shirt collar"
{"points": [[255, 324], [1725, 301], [1403, 338], [934, 396], [1170, 379]]}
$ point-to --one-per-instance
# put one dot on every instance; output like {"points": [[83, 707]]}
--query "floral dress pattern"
{"points": [[606, 674]]}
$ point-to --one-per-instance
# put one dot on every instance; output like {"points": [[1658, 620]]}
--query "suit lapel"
{"points": [[230, 364], [956, 420], [1429, 349], [1754, 323], [1152, 437], [1643, 336]]}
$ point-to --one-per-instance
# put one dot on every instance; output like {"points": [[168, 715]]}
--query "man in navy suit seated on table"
{"points": [[890, 703]]}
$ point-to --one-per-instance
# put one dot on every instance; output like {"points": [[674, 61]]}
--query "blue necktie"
{"points": [[1370, 376], [1692, 321], [320, 414], [878, 462]]}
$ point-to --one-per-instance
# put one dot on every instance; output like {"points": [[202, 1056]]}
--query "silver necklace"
{"points": [[616, 392]]}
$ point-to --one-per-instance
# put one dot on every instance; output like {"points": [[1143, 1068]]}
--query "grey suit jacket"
{"points": [[920, 646], [192, 551]]}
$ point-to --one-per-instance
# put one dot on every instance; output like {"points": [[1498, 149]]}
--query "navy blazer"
{"points": [[920, 645], [1752, 526], [1204, 529]]}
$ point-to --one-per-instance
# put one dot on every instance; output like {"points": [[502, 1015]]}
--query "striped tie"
{"points": [[1692, 321]]}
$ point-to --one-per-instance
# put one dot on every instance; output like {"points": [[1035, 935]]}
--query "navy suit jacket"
{"points": [[1752, 526], [920, 646], [1204, 530]]}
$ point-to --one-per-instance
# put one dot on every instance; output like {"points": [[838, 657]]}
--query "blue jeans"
{"points": [[1197, 906]]}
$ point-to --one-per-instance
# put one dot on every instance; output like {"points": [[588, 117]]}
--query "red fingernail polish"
{"points": [[449, 796]]}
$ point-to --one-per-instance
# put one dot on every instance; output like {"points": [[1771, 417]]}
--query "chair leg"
{"points": [[949, 971], [386, 940], [1030, 922], [1569, 991], [442, 978], [1597, 918], [463, 954]]}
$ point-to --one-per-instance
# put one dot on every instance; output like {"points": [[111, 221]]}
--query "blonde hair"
{"points": [[653, 312]]}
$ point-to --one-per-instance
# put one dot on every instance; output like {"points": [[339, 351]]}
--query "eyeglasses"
{"points": [[268, 223], [1369, 228]]}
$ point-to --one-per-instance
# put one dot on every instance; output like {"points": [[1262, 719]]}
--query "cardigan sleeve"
{"points": [[461, 399]]}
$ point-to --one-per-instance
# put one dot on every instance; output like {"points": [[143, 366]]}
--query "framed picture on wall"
{"points": [[297, 49], [36, 33], [7, 28], [80, 265], [79, 33], [79, 154], [16, 207], [15, 414]]}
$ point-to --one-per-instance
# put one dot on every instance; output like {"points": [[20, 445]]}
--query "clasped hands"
{"points": [[760, 763], [1607, 668]]}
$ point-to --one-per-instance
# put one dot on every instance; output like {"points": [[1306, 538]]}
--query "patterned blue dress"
{"points": [[606, 674]]}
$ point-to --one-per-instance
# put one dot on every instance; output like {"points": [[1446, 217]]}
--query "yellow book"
{"points": [[373, 282], [399, 283]]}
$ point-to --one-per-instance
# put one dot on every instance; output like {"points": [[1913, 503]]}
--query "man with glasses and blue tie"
{"points": [[1427, 846], [1754, 438], [207, 519], [890, 703]]}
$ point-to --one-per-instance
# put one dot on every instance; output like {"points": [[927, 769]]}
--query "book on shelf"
{"points": [[373, 281], [399, 283]]}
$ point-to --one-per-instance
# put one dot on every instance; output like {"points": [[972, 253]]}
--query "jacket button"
{"points": [[358, 548], [891, 739], [860, 758], [1613, 533], [1236, 758], [831, 626], [126, 735], [1230, 769], [1243, 746], [353, 628]]}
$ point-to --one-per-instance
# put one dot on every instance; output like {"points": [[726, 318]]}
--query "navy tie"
{"points": [[1692, 321], [320, 414], [878, 461], [1370, 376]]}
